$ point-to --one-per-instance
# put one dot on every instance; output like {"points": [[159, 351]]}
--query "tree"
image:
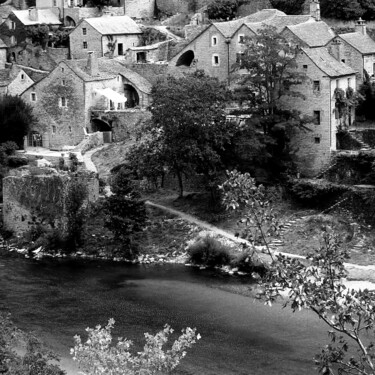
{"points": [[98, 356], [365, 108], [39, 35], [16, 119], [270, 64], [222, 9], [188, 117], [315, 284], [341, 9], [289, 6], [125, 211]]}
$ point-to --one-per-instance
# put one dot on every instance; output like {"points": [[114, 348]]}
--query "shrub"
{"points": [[245, 262], [209, 252]]}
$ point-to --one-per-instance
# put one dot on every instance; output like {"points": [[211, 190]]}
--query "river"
{"points": [[240, 335]]}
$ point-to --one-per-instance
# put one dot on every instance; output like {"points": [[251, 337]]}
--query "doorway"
{"points": [[120, 49]]}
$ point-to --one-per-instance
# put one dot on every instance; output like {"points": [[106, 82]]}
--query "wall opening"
{"points": [[34, 139], [132, 97], [99, 125], [185, 59], [69, 22]]}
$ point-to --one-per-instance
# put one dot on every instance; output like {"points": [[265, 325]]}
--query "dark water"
{"points": [[239, 334]]}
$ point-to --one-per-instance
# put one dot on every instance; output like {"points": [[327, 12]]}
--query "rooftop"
{"points": [[280, 21], [327, 63], [112, 25], [44, 16], [314, 34], [363, 43]]}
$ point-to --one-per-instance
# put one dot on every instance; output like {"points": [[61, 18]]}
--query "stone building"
{"points": [[106, 36], [82, 96], [357, 50], [3, 54], [14, 80], [324, 74]]}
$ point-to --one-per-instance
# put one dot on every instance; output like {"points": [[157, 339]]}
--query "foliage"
{"points": [[248, 262], [100, 4], [151, 35], [75, 211], [344, 102], [73, 162], [318, 286], [125, 211], [39, 35], [344, 9], [259, 221], [344, 141], [98, 356], [288, 6], [35, 361], [222, 9], [59, 38], [16, 119], [189, 122], [210, 252], [315, 193], [365, 108]]}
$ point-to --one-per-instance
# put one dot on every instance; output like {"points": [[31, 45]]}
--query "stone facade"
{"points": [[38, 197]]}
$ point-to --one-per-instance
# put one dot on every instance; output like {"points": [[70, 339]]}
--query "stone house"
{"points": [[357, 50], [14, 80], [106, 36], [3, 54], [217, 47], [82, 96], [324, 74]]}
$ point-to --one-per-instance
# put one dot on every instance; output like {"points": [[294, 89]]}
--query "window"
{"points": [[55, 3], [70, 129], [241, 39], [317, 140], [215, 60], [84, 45], [316, 86], [317, 117], [343, 60], [53, 129], [84, 31], [33, 97], [349, 81], [63, 101], [214, 40], [305, 67], [119, 106], [12, 40], [23, 77], [63, 82], [337, 83], [71, 3], [12, 25], [62, 70], [239, 57]]}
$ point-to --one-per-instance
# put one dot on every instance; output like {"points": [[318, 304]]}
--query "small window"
{"points": [[63, 83], [343, 60], [84, 45], [241, 39], [119, 106], [70, 129], [62, 70], [305, 67], [63, 101], [72, 3], [215, 60], [53, 129], [84, 31], [349, 82], [33, 97], [12, 25], [214, 40], [12, 40], [239, 57], [317, 140], [337, 83], [23, 77], [317, 117], [316, 86], [55, 3]]}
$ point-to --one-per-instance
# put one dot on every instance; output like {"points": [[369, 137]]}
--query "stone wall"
{"points": [[140, 9], [38, 197], [149, 71]]}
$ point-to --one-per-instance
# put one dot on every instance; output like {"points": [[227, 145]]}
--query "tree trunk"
{"points": [[180, 184]]}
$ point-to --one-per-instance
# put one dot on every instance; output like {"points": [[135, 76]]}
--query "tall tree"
{"points": [[188, 115], [222, 9], [289, 6], [16, 119], [341, 9]]}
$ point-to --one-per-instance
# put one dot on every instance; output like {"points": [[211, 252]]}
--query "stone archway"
{"points": [[69, 22], [132, 97], [99, 125], [185, 59]]}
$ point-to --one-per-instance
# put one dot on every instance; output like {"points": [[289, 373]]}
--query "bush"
{"points": [[245, 262], [15, 161], [209, 252]]}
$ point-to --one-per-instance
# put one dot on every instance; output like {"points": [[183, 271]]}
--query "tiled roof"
{"points": [[280, 21], [44, 16], [230, 27], [109, 69], [314, 34], [363, 43], [112, 25], [327, 63]]}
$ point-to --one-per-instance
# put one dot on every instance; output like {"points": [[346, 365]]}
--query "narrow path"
{"points": [[90, 166]]}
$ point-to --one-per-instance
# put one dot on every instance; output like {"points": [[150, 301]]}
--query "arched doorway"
{"points": [[99, 125], [34, 139], [69, 22], [185, 59], [132, 97]]}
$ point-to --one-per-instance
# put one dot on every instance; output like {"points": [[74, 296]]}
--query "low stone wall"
{"points": [[37, 197], [149, 71]]}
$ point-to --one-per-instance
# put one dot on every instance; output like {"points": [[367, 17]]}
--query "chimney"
{"points": [[335, 49], [92, 64], [360, 26], [33, 14], [315, 9]]}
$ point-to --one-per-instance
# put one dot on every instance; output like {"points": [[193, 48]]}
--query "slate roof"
{"points": [[44, 16], [327, 63], [114, 25], [280, 21], [109, 69], [230, 27], [314, 34], [363, 43]]}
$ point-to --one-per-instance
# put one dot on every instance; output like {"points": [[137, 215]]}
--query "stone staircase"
{"points": [[326, 168], [284, 228], [364, 145], [335, 205]]}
